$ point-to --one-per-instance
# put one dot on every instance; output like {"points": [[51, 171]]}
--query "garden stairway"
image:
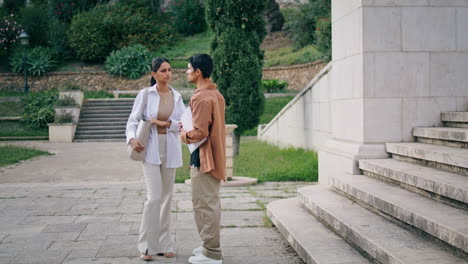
{"points": [[103, 120], [411, 208]]}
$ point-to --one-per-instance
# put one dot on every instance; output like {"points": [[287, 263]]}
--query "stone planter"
{"points": [[77, 95], [62, 132], [73, 110]]}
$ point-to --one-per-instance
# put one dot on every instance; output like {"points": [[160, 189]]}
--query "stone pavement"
{"points": [[84, 204]]}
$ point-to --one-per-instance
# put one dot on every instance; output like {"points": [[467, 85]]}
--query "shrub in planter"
{"points": [[130, 62], [39, 60], [38, 108], [273, 85], [9, 33], [188, 16], [63, 118], [67, 101]]}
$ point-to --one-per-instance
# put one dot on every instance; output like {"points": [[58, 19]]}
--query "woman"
{"points": [[164, 107]]}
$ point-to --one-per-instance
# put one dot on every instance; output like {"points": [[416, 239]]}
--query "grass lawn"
{"points": [[12, 154], [179, 52], [18, 129], [10, 109], [270, 163], [272, 107], [289, 56], [266, 163]]}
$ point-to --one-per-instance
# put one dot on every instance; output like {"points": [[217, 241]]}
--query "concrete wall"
{"points": [[397, 64], [305, 121]]}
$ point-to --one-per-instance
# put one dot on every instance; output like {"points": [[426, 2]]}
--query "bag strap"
{"points": [[145, 102]]}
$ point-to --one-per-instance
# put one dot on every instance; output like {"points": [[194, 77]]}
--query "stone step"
{"points": [[421, 179], [100, 140], [103, 123], [442, 157], [313, 241], [99, 132], [106, 108], [102, 119], [105, 115], [101, 136], [380, 239], [87, 128], [106, 111], [446, 136], [455, 119], [442, 221]]}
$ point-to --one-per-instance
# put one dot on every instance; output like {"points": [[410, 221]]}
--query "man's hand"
{"points": [[136, 145]]}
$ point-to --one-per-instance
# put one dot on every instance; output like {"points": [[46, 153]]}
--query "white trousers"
{"points": [[155, 235]]}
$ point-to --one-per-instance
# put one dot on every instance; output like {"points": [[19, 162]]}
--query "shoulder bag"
{"points": [[142, 132]]}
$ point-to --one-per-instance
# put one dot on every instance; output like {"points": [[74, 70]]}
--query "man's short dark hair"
{"points": [[203, 62]]}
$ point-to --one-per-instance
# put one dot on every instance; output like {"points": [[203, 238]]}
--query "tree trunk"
{"points": [[235, 144]]}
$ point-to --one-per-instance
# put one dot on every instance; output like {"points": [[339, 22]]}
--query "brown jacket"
{"points": [[208, 107]]}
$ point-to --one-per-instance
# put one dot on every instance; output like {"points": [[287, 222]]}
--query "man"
{"points": [[208, 162]]}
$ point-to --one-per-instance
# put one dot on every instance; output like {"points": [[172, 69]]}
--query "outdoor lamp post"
{"points": [[24, 38]]}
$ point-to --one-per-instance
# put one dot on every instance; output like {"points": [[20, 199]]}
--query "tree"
{"points": [[239, 29]]}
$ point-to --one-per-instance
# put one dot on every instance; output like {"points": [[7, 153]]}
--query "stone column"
{"points": [[229, 151]]}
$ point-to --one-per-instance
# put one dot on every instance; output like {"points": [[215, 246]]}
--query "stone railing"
{"points": [[297, 76]]}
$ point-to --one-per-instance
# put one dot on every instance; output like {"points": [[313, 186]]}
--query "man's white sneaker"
{"points": [[198, 251], [202, 259]]}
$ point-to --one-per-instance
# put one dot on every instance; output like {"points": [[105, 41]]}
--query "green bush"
{"points": [[69, 85], [39, 61], [138, 25], [64, 10], [289, 56], [188, 16], [323, 37], [89, 35], [58, 39], [273, 85], [38, 108], [13, 6], [35, 22], [130, 62], [301, 24], [9, 33]]}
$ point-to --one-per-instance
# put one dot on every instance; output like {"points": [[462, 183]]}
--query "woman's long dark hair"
{"points": [[155, 64]]}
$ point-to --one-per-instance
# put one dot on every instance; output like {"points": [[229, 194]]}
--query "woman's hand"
{"points": [[160, 122], [136, 145]]}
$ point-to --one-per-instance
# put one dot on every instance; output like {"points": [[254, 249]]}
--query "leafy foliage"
{"points": [[67, 100], [38, 108], [39, 61], [97, 94], [239, 29], [9, 33], [89, 35], [188, 16], [13, 6], [301, 24], [131, 62], [64, 10], [273, 85], [64, 118], [58, 39], [94, 34], [35, 21]]}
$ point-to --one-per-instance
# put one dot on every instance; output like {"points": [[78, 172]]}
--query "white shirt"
{"points": [[174, 147]]}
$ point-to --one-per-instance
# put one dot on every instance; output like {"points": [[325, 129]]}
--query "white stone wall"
{"points": [[305, 121]]}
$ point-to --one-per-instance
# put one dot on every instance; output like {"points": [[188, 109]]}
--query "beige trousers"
{"points": [[207, 211], [155, 235]]}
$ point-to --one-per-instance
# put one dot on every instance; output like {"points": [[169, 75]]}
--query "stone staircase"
{"points": [[411, 208], [103, 120]]}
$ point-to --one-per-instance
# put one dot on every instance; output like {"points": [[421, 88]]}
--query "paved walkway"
{"points": [[84, 204]]}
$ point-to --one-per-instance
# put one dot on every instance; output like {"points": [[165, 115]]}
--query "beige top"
{"points": [[166, 106]]}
